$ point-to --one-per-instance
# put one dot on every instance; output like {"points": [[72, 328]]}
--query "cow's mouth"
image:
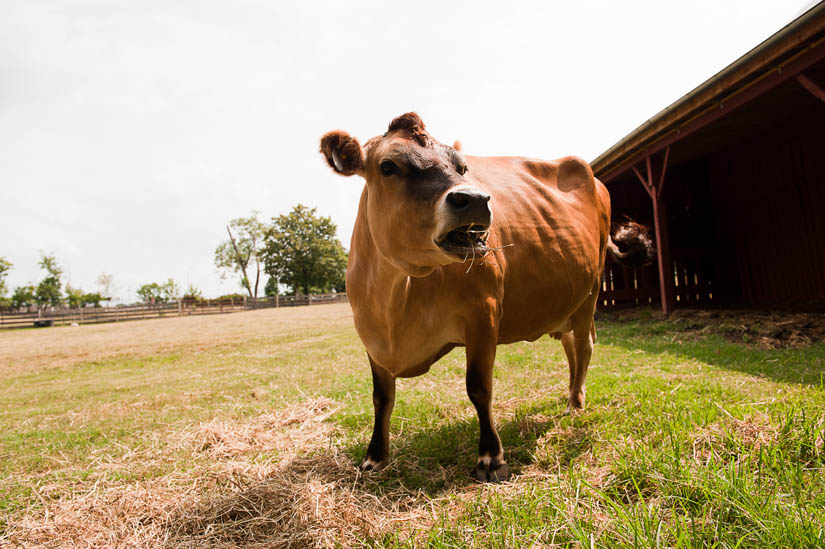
{"points": [[467, 241]]}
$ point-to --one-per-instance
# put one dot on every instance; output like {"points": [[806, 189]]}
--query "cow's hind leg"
{"points": [[570, 350], [578, 346], [383, 399]]}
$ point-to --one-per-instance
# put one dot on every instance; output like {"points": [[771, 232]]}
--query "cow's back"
{"points": [[551, 222]]}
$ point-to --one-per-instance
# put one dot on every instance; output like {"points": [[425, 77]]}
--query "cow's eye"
{"points": [[462, 169], [388, 168]]}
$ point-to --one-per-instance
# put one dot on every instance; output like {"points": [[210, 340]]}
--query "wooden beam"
{"points": [[666, 290], [661, 184], [811, 86], [644, 181], [654, 184], [665, 263], [650, 179]]}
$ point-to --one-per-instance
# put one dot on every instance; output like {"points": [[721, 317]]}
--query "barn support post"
{"points": [[654, 184]]}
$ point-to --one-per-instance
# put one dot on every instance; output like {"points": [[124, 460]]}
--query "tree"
{"points": [[150, 293], [159, 293], [193, 293], [170, 291], [24, 296], [48, 291], [93, 299], [5, 267], [74, 296], [244, 246], [271, 288], [302, 252], [106, 282]]}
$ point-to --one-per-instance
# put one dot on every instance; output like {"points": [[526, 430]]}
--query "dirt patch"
{"points": [[763, 329]]}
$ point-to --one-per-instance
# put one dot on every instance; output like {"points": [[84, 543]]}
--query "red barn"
{"points": [[732, 177]]}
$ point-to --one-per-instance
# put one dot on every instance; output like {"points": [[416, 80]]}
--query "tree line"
{"points": [[50, 291], [299, 251]]}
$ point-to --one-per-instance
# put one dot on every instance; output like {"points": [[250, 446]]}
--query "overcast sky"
{"points": [[132, 131]]}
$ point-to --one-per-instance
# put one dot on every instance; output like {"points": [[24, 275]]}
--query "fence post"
{"points": [[245, 307], [180, 308]]}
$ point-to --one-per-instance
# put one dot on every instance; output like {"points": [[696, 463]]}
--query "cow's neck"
{"points": [[387, 285], [382, 296]]}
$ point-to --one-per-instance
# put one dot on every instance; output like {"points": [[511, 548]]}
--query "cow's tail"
{"points": [[635, 240]]}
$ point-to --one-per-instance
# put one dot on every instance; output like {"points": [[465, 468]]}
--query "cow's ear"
{"points": [[343, 153], [575, 173]]}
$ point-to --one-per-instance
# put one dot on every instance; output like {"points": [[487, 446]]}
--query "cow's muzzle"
{"points": [[468, 218], [470, 205]]}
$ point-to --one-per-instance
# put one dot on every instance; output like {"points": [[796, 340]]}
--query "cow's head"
{"points": [[423, 209]]}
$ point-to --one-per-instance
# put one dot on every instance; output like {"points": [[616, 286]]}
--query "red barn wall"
{"points": [[769, 209]]}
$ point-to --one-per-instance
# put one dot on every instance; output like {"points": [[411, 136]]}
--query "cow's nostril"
{"points": [[458, 200]]}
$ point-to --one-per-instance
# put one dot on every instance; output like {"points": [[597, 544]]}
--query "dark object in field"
{"points": [[453, 251], [44, 323]]}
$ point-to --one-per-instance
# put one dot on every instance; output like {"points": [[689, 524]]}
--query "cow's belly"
{"points": [[411, 347], [531, 321], [538, 300]]}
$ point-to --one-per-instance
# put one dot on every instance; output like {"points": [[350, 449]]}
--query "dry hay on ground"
{"points": [[764, 329], [278, 479], [726, 440], [274, 480]]}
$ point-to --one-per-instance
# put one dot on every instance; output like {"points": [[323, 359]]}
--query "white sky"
{"points": [[131, 132]]}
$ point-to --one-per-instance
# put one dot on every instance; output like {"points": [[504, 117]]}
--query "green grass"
{"points": [[686, 441]]}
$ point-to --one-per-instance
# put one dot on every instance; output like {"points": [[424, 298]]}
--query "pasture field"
{"points": [[245, 429]]}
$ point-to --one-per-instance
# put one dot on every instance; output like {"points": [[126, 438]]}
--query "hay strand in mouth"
{"points": [[484, 236]]}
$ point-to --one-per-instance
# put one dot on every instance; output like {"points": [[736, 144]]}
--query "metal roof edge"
{"points": [[676, 110]]}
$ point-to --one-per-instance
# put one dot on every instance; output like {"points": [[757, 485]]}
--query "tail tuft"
{"points": [[635, 240]]}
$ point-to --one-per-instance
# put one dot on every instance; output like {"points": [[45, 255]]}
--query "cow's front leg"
{"points": [[481, 355], [383, 399]]}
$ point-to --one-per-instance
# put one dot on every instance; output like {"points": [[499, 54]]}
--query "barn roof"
{"points": [[791, 49]]}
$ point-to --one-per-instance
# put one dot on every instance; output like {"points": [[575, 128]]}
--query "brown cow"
{"points": [[449, 251]]}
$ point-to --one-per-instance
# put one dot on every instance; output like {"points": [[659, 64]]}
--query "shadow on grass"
{"points": [[438, 458], [802, 365]]}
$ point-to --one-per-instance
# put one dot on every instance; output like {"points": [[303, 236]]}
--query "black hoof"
{"points": [[370, 465], [493, 471]]}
